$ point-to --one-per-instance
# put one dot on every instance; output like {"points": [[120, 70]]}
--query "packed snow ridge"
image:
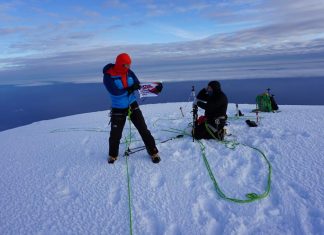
{"points": [[55, 179]]}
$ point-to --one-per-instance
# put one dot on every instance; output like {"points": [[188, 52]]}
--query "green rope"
{"points": [[166, 119], [129, 199], [176, 131], [234, 118], [128, 142], [72, 129], [231, 145], [250, 196]]}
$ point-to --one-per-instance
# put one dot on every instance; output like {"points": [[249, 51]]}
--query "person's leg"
{"points": [[117, 125], [139, 122], [220, 131], [216, 130], [200, 132]]}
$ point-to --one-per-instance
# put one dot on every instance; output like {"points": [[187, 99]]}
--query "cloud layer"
{"points": [[248, 39]]}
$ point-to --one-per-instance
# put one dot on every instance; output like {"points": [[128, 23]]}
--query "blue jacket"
{"points": [[119, 96]]}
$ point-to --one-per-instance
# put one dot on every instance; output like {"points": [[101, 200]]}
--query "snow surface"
{"points": [[55, 179]]}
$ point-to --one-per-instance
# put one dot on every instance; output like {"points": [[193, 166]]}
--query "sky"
{"points": [[168, 40]]}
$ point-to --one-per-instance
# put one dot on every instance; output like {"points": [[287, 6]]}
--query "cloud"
{"points": [[52, 42], [13, 30], [290, 15], [175, 61], [86, 12], [6, 9], [277, 39], [195, 6], [41, 11], [179, 32], [115, 4], [114, 27], [161, 8]]}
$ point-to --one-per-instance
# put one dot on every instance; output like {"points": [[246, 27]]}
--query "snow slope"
{"points": [[54, 177]]}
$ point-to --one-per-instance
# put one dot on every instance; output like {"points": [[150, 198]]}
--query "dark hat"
{"points": [[215, 85]]}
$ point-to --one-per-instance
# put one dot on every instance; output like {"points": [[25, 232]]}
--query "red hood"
{"points": [[119, 69], [121, 60]]}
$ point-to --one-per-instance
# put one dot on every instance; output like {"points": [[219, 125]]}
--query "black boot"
{"points": [[155, 158], [111, 159]]}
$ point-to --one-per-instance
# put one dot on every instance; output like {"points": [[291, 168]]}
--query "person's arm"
{"points": [[136, 83], [133, 75], [132, 88], [108, 82], [202, 95], [111, 86], [202, 105], [201, 99]]}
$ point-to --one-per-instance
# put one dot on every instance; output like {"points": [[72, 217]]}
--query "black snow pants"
{"points": [[118, 119]]}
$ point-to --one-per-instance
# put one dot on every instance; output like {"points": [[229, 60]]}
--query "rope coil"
{"points": [[250, 197]]}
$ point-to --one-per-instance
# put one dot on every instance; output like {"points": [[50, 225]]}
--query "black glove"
{"points": [[137, 86], [159, 87], [134, 87]]}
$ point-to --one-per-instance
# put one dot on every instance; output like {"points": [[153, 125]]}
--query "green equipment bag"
{"points": [[263, 103]]}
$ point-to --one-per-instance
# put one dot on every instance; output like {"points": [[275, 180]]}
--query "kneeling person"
{"points": [[213, 100]]}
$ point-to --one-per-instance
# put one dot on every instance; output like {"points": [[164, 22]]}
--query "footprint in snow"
{"points": [[157, 180], [298, 190], [61, 173], [85, 140], [316, 216], [205, 211], [267, 134], [89, 152], [57, 192], [114, 195], [65, 192], [305, 134], [273, 149], [213, 227], [189, 179], [173, 229], [148, 222]]}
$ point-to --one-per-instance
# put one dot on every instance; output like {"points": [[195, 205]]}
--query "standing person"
{"points": [[121, 82], [213, 100]]}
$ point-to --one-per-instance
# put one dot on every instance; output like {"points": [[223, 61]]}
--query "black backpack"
{"points": [[274, 104]]}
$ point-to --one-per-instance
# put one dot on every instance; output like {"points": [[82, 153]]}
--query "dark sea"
{"points": [[22, 105]]}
